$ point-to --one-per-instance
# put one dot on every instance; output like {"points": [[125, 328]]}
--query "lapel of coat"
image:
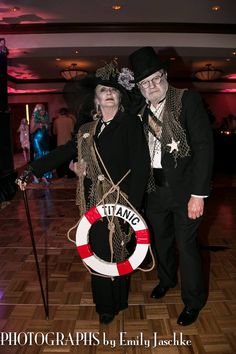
{"points": [[143, 115]]}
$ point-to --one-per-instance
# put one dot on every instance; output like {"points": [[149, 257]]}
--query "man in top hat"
{"points": [[181, 150]]}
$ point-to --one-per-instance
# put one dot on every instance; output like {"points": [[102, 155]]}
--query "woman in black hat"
{"points": [[108, 147]]}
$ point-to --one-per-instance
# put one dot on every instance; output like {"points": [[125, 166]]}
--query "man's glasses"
{"points": [[155, 80]]}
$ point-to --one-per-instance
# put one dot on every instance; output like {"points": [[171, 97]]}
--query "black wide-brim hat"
{"points": [[145, 62], [91, 82]]}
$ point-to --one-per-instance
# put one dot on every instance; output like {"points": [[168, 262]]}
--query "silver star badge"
{"points": [[173, 145]]}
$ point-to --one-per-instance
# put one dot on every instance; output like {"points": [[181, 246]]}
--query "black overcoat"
{"points": [[122, 146], [191, 174]]}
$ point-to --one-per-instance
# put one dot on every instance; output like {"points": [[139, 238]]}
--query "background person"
{"points": [[24, 138], [63, 128], [39, 129]]}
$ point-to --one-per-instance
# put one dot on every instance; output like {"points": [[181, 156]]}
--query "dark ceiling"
{"points": [[45, 37]]}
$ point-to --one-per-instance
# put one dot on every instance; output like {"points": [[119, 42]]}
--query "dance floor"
{"points": [[149, 324]]}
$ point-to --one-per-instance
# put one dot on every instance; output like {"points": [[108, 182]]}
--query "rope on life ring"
{"points": [[92, 260]]}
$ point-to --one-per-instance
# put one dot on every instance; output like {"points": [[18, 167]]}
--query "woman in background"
{"points": [[24, 138], [63, 128], [39, 129]]}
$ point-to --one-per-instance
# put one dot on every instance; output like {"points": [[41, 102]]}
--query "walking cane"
{"points": [[45, 299]]}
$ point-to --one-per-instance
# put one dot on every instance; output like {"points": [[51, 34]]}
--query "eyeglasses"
{"points": [[155, 80]]}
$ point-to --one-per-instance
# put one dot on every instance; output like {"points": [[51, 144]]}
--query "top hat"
{"points": [[145, 62]]}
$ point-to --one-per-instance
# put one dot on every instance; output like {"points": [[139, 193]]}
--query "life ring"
{"points": [[92, 260]]}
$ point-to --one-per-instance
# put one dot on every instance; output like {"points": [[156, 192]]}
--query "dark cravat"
{"points": [[154, 124], [101, 126]]}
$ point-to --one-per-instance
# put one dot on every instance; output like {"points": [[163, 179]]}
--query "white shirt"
{"points": [[153, 143]]}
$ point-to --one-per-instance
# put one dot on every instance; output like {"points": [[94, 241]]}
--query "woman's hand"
{"points": [[24, 178], [78, 168]]}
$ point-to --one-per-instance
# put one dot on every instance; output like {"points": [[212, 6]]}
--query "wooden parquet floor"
{"points": [[150, 325]]}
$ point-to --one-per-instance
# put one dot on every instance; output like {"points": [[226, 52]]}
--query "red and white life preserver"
{"points": [[109, 268]]}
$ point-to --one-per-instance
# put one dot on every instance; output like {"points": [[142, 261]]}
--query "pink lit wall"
{"points": [[55, 101], [221, 104]]}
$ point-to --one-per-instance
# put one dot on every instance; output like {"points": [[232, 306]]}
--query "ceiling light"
{"points": [[208, 73], [58, 59], [234, 52], [231, 76], [73, 72], [216, 8], [116, 7], [14, 9]]}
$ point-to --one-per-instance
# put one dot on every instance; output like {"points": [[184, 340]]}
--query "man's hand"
{"points": [[195, 207]]}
